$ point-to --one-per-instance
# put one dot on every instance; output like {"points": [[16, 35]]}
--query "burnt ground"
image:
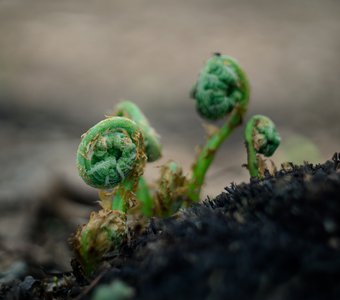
{"points": [[273, 239]]}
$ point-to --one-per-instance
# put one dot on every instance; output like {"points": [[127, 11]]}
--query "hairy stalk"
{"points": [[222, 88], [261, 138]]}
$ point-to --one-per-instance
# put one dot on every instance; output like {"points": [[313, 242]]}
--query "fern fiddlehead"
{"points": [[222, 89], [222, 85], [111, 153], [261, 138]]}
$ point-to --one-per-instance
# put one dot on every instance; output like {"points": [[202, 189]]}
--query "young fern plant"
{"points": [[261, 138], [111, 157], [221, 91]]}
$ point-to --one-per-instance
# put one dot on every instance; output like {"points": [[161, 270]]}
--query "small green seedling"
{"points": [[111, 157], [222, 90], [261, 138]]}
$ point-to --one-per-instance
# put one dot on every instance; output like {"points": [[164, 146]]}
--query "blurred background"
{"points": [[65, 64]]}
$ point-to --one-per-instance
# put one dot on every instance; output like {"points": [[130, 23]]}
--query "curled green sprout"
{"points": [[222, 89], [110, 155], [153, 150], [153, 147], [261, 138]]}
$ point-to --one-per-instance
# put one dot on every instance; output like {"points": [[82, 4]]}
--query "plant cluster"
{"points": [[113, 153]]}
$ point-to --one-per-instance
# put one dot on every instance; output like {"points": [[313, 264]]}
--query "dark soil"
{"points": [[273, 239]]}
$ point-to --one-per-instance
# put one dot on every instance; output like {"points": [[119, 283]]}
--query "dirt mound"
{"points": [[273, 239]]}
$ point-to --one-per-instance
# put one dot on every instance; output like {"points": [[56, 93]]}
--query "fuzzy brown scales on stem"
{"points": [[172, 192], [106, 230]]}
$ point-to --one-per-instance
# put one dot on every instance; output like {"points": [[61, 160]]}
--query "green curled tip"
{"points": [[221, 85], [261, 138], [153, 147], [265, 136], [110, 152]]}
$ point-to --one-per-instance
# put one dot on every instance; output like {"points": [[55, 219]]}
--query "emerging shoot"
{"points": [[261, 139], [111, 157], [106, 231], [222, 90], [172, 190]]}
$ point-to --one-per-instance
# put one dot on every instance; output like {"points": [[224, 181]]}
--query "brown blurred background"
{"points": [[64, 64]]}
